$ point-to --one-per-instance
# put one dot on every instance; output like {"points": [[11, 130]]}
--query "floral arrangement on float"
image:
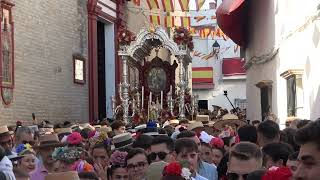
{"points": [[125, 37], [183, 37]]}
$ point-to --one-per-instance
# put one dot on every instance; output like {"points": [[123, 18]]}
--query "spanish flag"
{"points": [[169, 21], [153, 4], [155, 20], [202, 75], [184, 4], [167, 5]]}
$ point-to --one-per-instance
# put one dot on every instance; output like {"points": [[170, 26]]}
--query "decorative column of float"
{"points": [[124, 86], [182, 87]]}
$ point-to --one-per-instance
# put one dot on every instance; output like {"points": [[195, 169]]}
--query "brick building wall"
{"points": [[47, 34]]}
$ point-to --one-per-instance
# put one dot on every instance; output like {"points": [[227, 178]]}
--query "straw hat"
{"points": [[202, 118], [229, 119], [63, 130], [122, 140], [196, 124], [155, 170], [87, 125], [140, 127], [70, 175], [174, 122], [48, 140], [5, 131]]}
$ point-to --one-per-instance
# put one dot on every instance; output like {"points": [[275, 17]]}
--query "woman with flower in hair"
{"points": [[69, 159], [26, 161], [176, 171], [118, 169]]}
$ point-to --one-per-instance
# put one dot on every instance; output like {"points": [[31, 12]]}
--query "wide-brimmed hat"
{"points": [[155, 170], [87, 126], [229, 119], [5, 131], [194, 125], [122, 140], [140, 127], [69, 175], [202, 118], [48, 140]]}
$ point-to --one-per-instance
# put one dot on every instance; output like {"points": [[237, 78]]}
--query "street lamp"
{"points": [[216, 47]]}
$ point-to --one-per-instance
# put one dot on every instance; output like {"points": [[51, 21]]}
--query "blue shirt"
{"points": [[198, 177], [208, 171]]}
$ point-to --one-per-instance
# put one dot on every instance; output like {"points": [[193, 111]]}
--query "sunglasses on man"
{"points": [[153, 156], [235, 176]]}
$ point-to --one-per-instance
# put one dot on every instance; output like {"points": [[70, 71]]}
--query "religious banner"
{"points": [[184, 4], [153, 4], [167, 5], [199, 4], [155, 20]]}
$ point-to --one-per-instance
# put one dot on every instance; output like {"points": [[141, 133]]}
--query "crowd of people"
{"points": [[230, 149]]}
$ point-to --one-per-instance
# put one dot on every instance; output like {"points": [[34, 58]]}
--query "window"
{"points": [[294, 92], [240, 103], [203, 104]]}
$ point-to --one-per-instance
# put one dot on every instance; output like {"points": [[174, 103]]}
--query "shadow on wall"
{"points": [[315, 110]]}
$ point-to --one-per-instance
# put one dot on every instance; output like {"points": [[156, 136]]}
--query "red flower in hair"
{"points": [[217, 142], [173, 168], [282, 173]]}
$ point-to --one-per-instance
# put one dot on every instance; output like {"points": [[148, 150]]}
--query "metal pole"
{"points": [[125, 89]]}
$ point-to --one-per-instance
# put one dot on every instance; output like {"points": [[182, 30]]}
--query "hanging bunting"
{"points": [[169, 21], [155, 20], [192, 30], [136, 2], [199, 4], [197, 54], [213, 17], [207, 32], [199, 18], [153, 4], [184, 4], [236, 48], [218, 32], [213, 33], [168, 5], [208, 56], [185, 21]]}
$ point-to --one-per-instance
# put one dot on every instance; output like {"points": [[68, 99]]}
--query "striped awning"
{"points": [[202, 78]]}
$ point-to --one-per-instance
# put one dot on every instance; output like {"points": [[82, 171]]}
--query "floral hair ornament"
{"points": [[67, 154], [82, 166], [118, 158], [277, 173], [22, 149], [99, 137], [74, 138], [178, 170], [216, 142]]}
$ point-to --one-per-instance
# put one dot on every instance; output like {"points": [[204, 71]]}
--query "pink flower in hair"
{"points": [[118, 158], [74, 139]]}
